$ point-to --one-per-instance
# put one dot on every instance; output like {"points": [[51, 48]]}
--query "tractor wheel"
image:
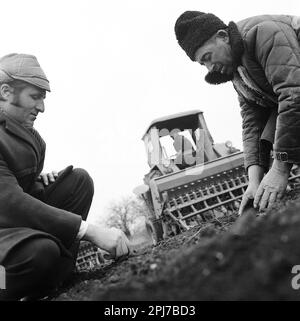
{"points": [[175, 229], [155, 230]]}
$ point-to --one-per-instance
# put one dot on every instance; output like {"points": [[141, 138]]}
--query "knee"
{"points": [[87, 182], [45, 254]]}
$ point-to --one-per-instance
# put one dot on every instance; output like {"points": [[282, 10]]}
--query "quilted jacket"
{"points": [[268, 84]]}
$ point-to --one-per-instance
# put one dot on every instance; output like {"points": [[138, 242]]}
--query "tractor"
{"points": [[191, 179]]}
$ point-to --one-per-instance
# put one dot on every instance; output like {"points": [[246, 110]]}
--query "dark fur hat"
{"points": [[193, 28]]}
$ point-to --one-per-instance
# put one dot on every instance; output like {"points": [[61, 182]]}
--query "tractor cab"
{"points": [[181, 140]]}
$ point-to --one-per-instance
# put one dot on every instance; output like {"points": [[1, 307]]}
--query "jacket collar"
{"points": [[237, 50], [236, 43], [15, 128]]}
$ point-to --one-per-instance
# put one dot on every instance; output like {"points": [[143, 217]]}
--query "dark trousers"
{"points": [[36, 266]]}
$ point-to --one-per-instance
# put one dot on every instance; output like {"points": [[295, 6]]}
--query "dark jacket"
{"points": [[268, 83], [22, 215]]}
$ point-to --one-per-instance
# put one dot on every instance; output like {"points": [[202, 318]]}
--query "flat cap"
{"points": [[26, 68]]}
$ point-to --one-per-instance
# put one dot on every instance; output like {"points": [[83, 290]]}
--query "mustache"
{"points": [[216, 78]]}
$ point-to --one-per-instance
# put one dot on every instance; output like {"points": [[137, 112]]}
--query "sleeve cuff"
{"points": [[82, 230]]}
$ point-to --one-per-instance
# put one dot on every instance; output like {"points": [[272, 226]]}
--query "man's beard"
{"points": [[216, 78]]}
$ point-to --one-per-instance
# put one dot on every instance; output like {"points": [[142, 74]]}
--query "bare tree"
{"points": [[123, 213]]}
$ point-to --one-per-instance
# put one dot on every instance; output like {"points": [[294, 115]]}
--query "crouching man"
{"points": [[42, 216], [261, 56]]}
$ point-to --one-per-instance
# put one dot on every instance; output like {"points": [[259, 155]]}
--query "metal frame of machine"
{"points": [[213, 182]]}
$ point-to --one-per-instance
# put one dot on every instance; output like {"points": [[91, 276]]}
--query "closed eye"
{"points": [[205, 58], [38, 96]]}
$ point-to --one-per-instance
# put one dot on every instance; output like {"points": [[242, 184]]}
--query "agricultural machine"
{"points": [[191, 179]]}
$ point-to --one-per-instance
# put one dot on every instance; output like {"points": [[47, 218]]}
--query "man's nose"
{"points": [[40, 106], [209, 66]]}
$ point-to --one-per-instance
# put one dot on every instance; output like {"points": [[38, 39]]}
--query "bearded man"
{"points": [[261, 56]]}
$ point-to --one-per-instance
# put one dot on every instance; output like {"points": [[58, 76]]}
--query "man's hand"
{"points": [[111, 240], [248, 196], [272, 186], [255, 173], [47, 178]]}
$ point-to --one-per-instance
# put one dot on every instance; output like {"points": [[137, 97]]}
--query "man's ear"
{"points": [[223, 34], [5, 91]]}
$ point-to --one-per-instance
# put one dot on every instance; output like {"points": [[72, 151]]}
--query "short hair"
{"points": [[17, 85]]}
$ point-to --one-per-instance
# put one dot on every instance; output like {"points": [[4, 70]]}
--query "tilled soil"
{"points": [[232, 258]]}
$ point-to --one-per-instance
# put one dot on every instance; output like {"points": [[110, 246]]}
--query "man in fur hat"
{"points": [[42, 216], [261, 56]]}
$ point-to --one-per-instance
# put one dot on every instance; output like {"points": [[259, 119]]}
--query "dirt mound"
{"points": [[246, 258]]}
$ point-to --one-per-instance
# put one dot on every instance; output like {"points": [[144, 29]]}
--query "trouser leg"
{"points": [[34, 267], [74, 193]]}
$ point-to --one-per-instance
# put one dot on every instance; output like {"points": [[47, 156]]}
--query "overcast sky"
{"points": [[113, 67]]}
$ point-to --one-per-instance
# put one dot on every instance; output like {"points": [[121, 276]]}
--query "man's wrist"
{"points": [[255, 173], [280, 166]]}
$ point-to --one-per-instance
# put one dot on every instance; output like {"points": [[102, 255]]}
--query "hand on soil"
{"points": [[248, 197], [270, 189], [111, 240]]}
